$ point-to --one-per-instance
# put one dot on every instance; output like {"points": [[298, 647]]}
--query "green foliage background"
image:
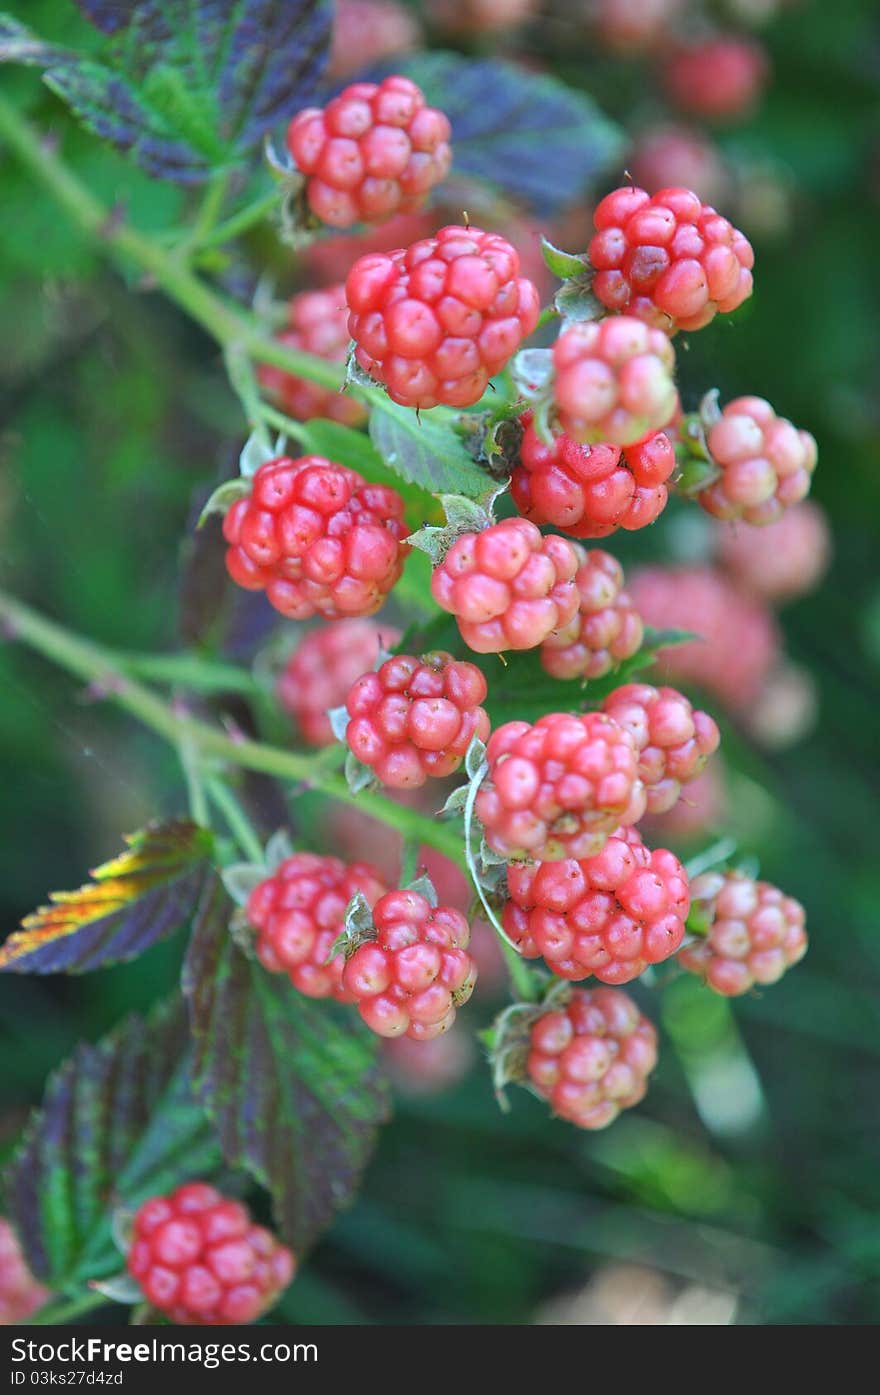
{"points": [[115, 411]]}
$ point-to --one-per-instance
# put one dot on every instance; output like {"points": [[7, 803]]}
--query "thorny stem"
{"points": [[100, 667]]}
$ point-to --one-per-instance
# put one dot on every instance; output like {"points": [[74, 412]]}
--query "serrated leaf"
{"points": [[524, 132], [118, 1123], [356, 450], [293, 1086], [423, 886], [422, 449], [137, 899], [186, 86]]}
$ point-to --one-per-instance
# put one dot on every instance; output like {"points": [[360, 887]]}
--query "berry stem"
{"points": [[100, 666], [525, 983], [62, 1310], [236, 818]]}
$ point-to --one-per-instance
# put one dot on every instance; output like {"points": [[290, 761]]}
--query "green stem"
{"points": [[190, 671], [62, 1310], [526, 985], [236, 818], [548, 314], [245, 218], [94, 664], [209, 212]]}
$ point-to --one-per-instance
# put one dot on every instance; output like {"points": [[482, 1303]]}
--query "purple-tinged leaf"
{"points": [[118, 1123], [147, 893], [293, 1086]]}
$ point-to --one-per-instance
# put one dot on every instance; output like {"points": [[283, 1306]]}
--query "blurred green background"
{"points": [[747, 1187]]}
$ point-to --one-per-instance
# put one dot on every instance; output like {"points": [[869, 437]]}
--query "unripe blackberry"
{"points": [[507, 586], [317, 538], [755, 933], [663, 157], [331, 258], [673, 739], [739, 641], [719, 79], [766, 463], [317, 323], [606, 630], [591, 491], [634, 26], [434, 321], [782, 561], [785, 710], [20, 1292], [299, 913], [556, 788], [421, 1068], [366, 31], [593, 1058], [702, 809], [415, 718], [415, 973], [668, 259], [476, 17], [373, 151], [322, 668], [610, 915], [613, 380], [201, 1261]]}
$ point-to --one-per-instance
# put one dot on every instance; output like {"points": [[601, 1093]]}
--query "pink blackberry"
{"points": [[610, 915], [415, 718], [591, 491], [607, 628], [507, 586], [422, 1068], [703, 808], [322, 668], [476, 17], [668, 259], [201, 1261], [674, 740], [317, 323], [783, 560], [766, 463], [634, 26], [317, 538], [366, 31], [415, 973], [738, 640], [592, 1058], [434, 321], [674, 156], [613, 380], [718, 79], [556, 788], [20, 1292], [755, 933], [373, 151], [299, 913]]}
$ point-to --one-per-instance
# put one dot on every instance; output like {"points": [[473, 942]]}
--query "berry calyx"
{"points": [[201, 1261], [606, 629], [317, 538], [317, 323], [557, 788], [613, 380], [507, 586], [434, 321], [592, 1058], [414, 718], [373, 151], [591, 491], [674, 740], [299, 914], [755, 932], [412, 976], [669, 259], [766, 463], [322, 668], [610, 915]]}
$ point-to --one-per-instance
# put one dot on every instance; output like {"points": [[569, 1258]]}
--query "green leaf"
{"points": [[524, 132], [146, 894], [293, 1086], [356, 450], [422, 449], [118, 1123], [186, 89], [564, 265]]}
